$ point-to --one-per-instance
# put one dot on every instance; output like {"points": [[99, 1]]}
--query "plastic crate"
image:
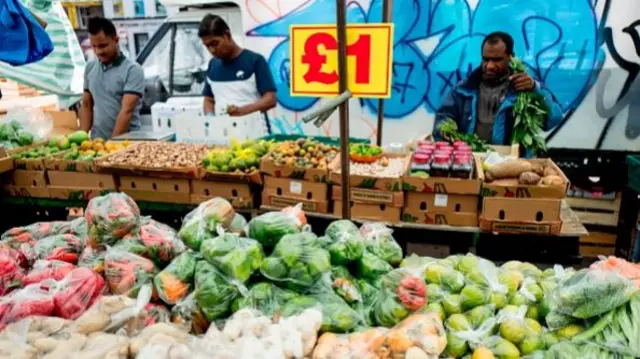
{"points": [[335, 141], [193, 127], [633, 161], [163, 114]]}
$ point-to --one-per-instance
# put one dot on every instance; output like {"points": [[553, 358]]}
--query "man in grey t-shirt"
{"points": [[113, 86]]}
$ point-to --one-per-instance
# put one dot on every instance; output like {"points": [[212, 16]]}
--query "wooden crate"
{"points": [[597, 244], [602, 212]]}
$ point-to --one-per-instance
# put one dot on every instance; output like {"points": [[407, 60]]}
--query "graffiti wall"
{"points": [[586, 52]]}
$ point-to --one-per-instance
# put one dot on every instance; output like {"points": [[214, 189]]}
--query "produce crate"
{"points": [[6, 163], [239, 194], [335, 141], [603, 212], [633, 162], [22, 183], [597, 244]]}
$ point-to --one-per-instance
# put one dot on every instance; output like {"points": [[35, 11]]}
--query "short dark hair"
{"points": [[497, 37], [213, 25], [99, 24]]}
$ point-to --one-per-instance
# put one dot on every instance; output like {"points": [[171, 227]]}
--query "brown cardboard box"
{"points": [[372, 212], [512, 189], [96, 181], [57, 163], [268, 167], [26, 191], [239, 194], [446, 184], [253, 177], [371, 196], [278, 201], [441, 218], [440, 202], [292, 188], [64, 122], [6, 163], [77, 194], [369, 182], [156, 189], [23, 178], [521, 215]]}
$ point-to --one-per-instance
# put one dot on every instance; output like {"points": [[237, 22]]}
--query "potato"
{"points": [[549, 171], [552, 181], [46, 345], [508, 169], [67, 347], [529, 178], [538, 169]]}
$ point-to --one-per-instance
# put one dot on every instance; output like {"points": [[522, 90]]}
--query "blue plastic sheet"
{"points": [[22, 39]]}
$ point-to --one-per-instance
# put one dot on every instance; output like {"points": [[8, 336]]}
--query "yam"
{"points": [[508, 169], [529, 178], [552, 181]]}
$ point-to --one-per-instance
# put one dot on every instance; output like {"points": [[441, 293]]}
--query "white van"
{"points": [[174, 60]]}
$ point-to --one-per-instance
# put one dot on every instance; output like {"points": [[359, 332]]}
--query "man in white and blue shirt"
{"points": [[238, 80]]}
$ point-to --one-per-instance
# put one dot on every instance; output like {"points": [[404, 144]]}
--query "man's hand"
{"points": [[522, 82], [233, 110]]}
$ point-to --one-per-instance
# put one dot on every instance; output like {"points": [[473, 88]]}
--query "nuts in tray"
{"points": [[387, 167], [158, 155]]}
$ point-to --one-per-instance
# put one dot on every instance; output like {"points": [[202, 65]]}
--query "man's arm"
{"points": [[448, 110], [266, 88], [133, 90], [86, 111], [209, 105]]}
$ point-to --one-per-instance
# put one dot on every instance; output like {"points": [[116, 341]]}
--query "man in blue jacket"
{"points": [[483, 103]]}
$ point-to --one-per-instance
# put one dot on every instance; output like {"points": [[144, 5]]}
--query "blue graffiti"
{"points": [[437, 43]]}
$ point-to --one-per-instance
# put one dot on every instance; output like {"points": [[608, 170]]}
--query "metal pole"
{"points": [[341, 22], [387, 6]]}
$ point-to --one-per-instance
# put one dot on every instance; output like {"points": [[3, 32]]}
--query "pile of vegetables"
{"points": [[56, 144], [242, 157], [303, 153], [14, 135], [91, 149], [520, 171]]}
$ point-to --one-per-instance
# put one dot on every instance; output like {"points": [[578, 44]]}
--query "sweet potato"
{"points": [[508, 169], [529, 178], [552, 181], [549, 171]]}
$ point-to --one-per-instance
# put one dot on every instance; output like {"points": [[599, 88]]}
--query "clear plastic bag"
{"points": [[379, 241], [61, 247], [92, 258], [27, 125], [154, 313], [187, 314], [202, 223], [215, 292], [29, 301], [463, 334], [23, 239], [297, 262], [76, 292], [47, 269], [265, 297], [155, 241], [591, 292], [126, 273], [347, 245], [11, 272], [174, 282], [270, 227], [110, 218], [236, 257], [402, 292]]}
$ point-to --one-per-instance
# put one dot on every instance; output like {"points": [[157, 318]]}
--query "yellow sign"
{"points": [[314, 60]]}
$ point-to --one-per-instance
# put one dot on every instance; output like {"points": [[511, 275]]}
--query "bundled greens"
{"points": [[530, 112], [449, 129], [237, 257]]}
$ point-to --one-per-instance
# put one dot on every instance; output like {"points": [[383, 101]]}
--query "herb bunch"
{"points": [[449, 129]]}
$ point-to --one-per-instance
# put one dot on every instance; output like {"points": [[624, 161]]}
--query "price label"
{"points": [[314, 60]]}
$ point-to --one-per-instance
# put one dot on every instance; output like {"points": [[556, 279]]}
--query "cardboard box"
{"points": [[163, 190], [268, 167], [521, 215], [26, 191], [23, 178], [441, 218], [440, 202], [253, 177], [57, 163], [278, 201], [6, 162], [371, 196], [510, 188], [96, 181], [371, 212], [64, 122], [238, 194], [77, 194], [292, 188], [369, 182], [445, 184]]}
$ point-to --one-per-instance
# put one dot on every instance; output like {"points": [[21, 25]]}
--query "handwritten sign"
{"points": [[314, 60]]}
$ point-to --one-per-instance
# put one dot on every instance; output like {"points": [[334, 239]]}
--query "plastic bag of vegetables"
{"points": [[202, 222], [155, 313], [236, 257], [297, 262], [239, 225], [110, 218], [337, 316], [92, 258], [36, 231], [265, 297], [562, 350], [344, 285], [61, 247], [270, 227], [155, 241], [402, 292], [12, 270], [526, 333], [591, 292], [371, 267], [45, 269], [174, 282], [187, 314], [363, 344], [76, 292], [463, 335], [214, 292], [32, 300], [379, 241], [347, 245], [126, 273]]}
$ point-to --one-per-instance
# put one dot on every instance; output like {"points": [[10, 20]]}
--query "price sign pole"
{"points": [[387, 6], [341, 21]]}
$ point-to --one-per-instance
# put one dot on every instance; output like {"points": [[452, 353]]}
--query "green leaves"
{"points": [[449, 129], [529, 113]]}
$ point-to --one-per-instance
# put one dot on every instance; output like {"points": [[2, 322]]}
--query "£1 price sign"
{"points": [[314, 60]]}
